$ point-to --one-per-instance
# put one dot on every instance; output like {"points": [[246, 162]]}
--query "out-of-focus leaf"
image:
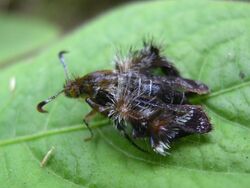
{"points": [[21, 35]]}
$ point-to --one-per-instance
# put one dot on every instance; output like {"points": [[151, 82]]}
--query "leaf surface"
{"points": [[21, 35], [207, 40]]}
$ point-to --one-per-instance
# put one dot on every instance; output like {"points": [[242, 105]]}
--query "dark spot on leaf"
{"points": [[242, 75]]}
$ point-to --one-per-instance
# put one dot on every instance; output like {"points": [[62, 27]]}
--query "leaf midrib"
{"points": [[51, 132]]}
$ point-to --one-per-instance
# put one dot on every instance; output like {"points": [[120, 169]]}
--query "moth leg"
{"points": [[89, 116], [125, 134], [86, 119], [96, 108], [133, 143]]}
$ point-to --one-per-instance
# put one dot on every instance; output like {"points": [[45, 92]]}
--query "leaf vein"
{"points": [[52, 132]]}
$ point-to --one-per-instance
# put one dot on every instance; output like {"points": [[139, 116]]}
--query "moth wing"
{"points": [[177, 121], [186, 85], [189, 118], [146, 61]]}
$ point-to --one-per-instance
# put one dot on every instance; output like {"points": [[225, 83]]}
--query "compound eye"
{"points": [[74, 91]]}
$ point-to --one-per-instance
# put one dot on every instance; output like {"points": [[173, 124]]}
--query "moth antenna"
{"points": [[40, 105], [62, 60]]}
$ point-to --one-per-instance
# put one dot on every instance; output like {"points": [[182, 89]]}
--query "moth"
{"points": [[132, 95]]}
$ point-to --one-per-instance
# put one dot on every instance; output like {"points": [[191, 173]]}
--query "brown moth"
{"points": [[132, 95]]}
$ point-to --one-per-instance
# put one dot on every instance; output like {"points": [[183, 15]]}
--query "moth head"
{"points": [[72, 89]]}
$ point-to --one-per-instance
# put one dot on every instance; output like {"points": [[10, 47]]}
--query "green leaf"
{"points": [[208, 40], [20, 36]]}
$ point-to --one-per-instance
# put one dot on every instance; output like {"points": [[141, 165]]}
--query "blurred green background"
{"points": [[32, 25], [27, 27], [66, 14]]}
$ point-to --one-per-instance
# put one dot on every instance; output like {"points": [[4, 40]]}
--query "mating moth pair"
{"points": [[140, 102]]}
